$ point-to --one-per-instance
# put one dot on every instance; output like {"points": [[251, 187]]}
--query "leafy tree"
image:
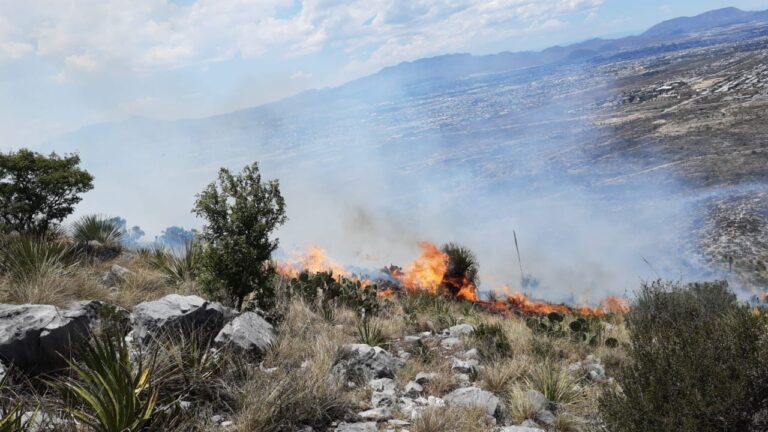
{"points": [[241, 213], [38, 191]]}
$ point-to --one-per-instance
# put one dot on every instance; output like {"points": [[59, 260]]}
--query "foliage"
{"points": [[695, 358], [178, 266], [491, 342], [12, 415], [38, 191], [463, 267], [107, 394], [325, 290], [102, 229], [30, 263], [370, 333], [555, 383], [241, 213]]}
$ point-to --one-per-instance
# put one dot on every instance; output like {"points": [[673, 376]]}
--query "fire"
{"points": [[427, 271], [615, 304]]}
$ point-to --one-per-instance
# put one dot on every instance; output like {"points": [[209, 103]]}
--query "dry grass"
{"points": [[451, 419], [555, 383], [142, 285], [56, 288], [518, 406], [498, 377], [302, 391]]}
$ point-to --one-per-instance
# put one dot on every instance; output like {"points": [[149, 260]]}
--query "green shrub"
{"points": [[555, 383], [178, 266], [491, 342], [12, 414], [33, 266], [324, 290], [241, 213], [694, 361]]}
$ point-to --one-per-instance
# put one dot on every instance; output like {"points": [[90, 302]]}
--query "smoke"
{"points": [[369, 174]]}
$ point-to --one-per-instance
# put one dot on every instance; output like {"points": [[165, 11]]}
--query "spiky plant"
{"points": [[12, 417], [463, 266], [102, 229], [370, 333], [30, 263], [178, 267], [107, 392], [556, 384]]}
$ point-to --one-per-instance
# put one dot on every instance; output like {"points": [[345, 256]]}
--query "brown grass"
{"points": [[451, 419]]}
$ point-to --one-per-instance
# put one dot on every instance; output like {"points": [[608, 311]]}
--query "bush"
{"points": [[38, 191], [241, 213], [491, 342], [694, 362], [325, 291], [463, 268], [33, 267]]}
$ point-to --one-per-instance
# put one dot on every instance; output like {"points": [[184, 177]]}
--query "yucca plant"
{"points": [[178, 267], [30, 263], [98, 228], [555, 383], [370, 333], [108, 393], [463, 267]]}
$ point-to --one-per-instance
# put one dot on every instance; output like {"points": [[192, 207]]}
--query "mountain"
{"points": [[706, 21], [604, 156]]}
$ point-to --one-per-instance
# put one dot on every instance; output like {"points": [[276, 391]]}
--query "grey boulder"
{"points": [[177, 313], [357, 427], [247, 333], [37, 338], [473, 397], [364, 363]]}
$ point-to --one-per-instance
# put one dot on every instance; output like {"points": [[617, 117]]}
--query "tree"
{"points": [[129, 236], [38, 191], [241, 213]]}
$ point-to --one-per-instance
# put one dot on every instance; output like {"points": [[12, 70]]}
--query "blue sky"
{"points": [[64, 65]]}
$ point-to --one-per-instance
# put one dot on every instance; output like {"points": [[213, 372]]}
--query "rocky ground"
{"points": [[419, 363]]}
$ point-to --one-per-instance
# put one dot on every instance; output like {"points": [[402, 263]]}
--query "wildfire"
{"points": [[615, 305], [429, 273]]}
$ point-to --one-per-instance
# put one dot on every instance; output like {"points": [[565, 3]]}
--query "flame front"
{"points": [[427, 272]]}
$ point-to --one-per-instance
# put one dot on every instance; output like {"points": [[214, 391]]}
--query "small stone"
{"points": [[472, 354], [473, 397], [356, 427], [386, 385], [538, 400], [376, 414], [185, 405], [546, 418], [530, 424], [216, 419], [404, 355], [450, 343], [462, 366], [424, 377], [463, 378], [413, 389], [459, 330], [382, 399], [425, 334], [398, 423], [227, 424], [412, 339]]}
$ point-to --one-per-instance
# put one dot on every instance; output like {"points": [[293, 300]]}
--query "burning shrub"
{"points": [[694, 362], [463, 269]]}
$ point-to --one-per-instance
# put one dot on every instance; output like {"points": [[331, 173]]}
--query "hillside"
{"points": [[654, 141]]}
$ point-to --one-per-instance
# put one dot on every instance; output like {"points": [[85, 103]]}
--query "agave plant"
{"points": [[178, 267], [98, 228], [30, 263], [107, 393]]}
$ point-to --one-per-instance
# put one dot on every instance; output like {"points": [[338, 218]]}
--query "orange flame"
{"points": [[427, 271], [615, 304]]}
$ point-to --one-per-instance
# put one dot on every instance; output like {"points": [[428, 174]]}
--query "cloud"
{"points": [[139, 36]]}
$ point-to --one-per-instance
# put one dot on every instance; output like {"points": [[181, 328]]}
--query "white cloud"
{"points": [[89, 36]]}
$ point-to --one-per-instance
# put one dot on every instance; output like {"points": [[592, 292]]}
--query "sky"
{"points": [[65, 64]]}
